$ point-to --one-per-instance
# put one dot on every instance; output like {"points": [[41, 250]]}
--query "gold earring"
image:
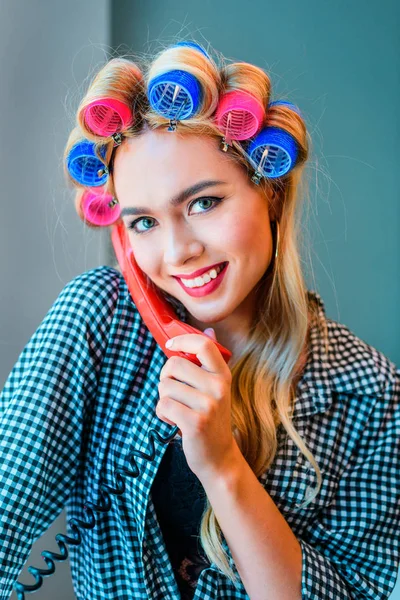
{"points": [[277, 239]]}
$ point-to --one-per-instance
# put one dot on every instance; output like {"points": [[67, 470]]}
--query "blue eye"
{"points": [[132, 226]]}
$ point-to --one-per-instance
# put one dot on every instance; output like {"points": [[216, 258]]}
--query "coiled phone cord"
{"points": [[90, 508]]}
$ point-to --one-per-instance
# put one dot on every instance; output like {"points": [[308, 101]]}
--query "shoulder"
{"points": [[100, 280], [346, 365], [95, 286], [356, 366], [96, 293]]}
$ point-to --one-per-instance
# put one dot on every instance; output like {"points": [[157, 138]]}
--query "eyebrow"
{"points": [[176, 200]]}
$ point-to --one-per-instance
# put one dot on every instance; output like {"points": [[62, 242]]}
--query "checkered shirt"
{"points": [[82, 395]]}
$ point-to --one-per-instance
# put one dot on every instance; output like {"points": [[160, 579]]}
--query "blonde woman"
{"points": [[284, 479]]}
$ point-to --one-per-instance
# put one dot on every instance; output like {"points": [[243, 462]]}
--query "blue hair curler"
{"points": [[274, 151], [193, 45], [175, 94], [85, 167], [285, 103]]}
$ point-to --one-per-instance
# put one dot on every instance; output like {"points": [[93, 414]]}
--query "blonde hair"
{"points": [[263, 379]]}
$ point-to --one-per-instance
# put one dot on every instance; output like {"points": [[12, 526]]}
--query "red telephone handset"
{"points": [[156, 312]]}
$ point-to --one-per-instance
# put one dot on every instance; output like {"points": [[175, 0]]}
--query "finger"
{"points": [[211, 333], [203, 347], [190, 397], [182, 369], [175, 413]]}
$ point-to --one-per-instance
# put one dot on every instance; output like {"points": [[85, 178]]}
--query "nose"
{"points": [[181, 246]]}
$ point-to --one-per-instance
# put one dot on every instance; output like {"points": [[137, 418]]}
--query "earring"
{"points": [[277, 239], [272, 264]]}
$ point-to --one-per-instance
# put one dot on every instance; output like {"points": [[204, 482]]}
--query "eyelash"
{"points": [[217, 201]]}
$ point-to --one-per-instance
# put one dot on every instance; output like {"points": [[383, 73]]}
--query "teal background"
{"points": [[339, 62]]}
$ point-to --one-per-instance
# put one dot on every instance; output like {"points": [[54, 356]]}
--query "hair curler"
{"points": [[100, 207], [193, 45], [105, 116], [239, 114], [273, 150], [175, 94], [85, 167], [286, 103]]}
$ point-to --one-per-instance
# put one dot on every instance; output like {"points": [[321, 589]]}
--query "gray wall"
{"points": [[48, 48]]}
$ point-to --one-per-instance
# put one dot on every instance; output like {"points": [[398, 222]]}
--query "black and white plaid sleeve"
{"points": [[43, 406], [353, 549]]}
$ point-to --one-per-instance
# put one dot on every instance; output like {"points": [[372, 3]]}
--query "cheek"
{"points": [[245, 231], [144, 260], [249, 237]]}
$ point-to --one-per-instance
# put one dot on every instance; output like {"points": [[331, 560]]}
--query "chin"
{"points": [[209, 317]]}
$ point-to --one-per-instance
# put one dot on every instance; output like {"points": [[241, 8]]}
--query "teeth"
{"points": [[205, 278]]}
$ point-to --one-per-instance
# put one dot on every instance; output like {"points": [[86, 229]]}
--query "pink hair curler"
{"points": [[105, 116], [100, 208], [240, 115]]}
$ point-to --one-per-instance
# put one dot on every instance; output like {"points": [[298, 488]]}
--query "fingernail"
{"points": [[169, 343]]}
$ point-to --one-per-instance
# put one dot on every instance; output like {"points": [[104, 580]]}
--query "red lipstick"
{"points": [[208, 288], [198, 272]]}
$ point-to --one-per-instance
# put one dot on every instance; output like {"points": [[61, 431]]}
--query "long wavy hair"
{"points": [[264, 377]]}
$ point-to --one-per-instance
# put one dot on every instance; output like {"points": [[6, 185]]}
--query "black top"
{"points": [[179, 500]]}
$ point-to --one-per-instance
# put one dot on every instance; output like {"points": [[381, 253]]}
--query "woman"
{"points": [[231, 507]]}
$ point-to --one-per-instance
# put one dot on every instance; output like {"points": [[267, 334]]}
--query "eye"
{"points": [[133, 226]]}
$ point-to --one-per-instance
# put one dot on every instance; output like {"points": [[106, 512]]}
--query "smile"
{"points": [[207, 285]]}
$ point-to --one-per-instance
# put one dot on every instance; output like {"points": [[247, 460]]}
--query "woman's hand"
{"points": [[198, 400]]}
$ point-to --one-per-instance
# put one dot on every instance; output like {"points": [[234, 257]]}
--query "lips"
{"points": [[207, 288], [198, 272]]}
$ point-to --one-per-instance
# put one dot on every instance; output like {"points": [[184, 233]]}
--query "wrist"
{"points": [[228, 472]]}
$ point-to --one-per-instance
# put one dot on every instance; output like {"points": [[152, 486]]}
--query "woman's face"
{"points": [[179, 239]]}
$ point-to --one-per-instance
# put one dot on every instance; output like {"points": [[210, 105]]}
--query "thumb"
{"points": [[210, 332]]}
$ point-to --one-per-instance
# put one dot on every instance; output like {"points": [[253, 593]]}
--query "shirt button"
{"points": [[309, 492]]}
